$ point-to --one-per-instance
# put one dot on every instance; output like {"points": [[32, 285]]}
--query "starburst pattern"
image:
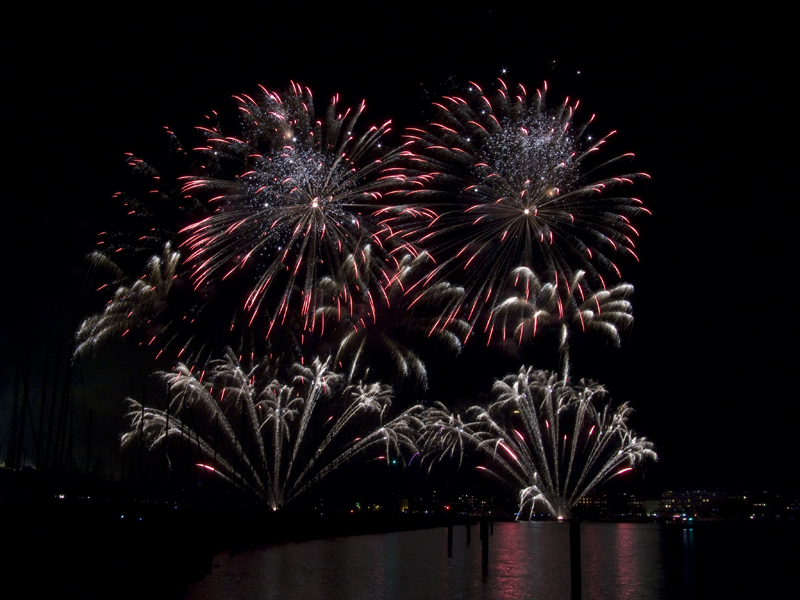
{"points": [[273, 440], [162, 311], [372, 312], [300, 231], [134, 305], [294, 197], [537, 308], [258, 220], [506, 182], [552, 441]]}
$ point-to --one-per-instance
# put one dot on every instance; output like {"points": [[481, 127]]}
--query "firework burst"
{"points": [[134, 305], [537, 308], [550, 440], [506, 182], [372, 312], [161, 311], [258, 221], [273, 441], [292, 197]]}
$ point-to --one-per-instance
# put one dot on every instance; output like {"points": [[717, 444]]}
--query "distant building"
{"points": [[695, 503], [615, 505]]}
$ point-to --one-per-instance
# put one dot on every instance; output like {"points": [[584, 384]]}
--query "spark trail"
{"points": [[550, 440], [293, 197], [272, 440], [505, 182], [371, 313]]}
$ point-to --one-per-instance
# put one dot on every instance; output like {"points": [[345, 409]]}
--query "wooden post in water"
{"points": [[484, 544], [575, 558], [469, 532], [450, 540]]}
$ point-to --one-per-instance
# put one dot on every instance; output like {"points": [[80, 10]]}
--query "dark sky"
{"points": [[700, 98]]}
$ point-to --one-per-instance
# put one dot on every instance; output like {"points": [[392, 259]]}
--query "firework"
{"points": [[444, 435], [161, 310], [292, 197], [506, 182], [374, 312], [550, 440], [536, 308], [258, 221], [272, 440], [134, 304]]}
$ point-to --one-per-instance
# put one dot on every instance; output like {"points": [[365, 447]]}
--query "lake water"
{"points": [[526, 560]]}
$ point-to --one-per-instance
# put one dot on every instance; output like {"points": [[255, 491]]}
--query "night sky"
{"points": [[709, 362]]}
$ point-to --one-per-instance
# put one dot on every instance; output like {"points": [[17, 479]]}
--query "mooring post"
{"points": [[485, 544], [575, 558], [491, 526], [450, 540], [469, 532]]}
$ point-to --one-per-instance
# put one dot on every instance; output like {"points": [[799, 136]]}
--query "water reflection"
{"points": [[526, 560], [621, 560], [529, 560]]}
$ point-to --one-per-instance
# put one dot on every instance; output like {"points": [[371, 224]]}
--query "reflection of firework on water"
{"points": [[292, 197], [551, 440], [538, 307], [272, 440], [372, 312], [507, 179]]}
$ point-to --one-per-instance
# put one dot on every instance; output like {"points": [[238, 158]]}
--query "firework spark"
{"points": [[293, 197], [535, 308], [506, 183], [550, 440], [258, 221], [134, 304], [274, 441], [371, 316], [160, 310]]}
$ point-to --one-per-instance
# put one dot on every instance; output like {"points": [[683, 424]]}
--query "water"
{"points": [[526, 560]]}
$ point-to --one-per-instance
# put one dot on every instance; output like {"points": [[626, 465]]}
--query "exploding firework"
{"points": [[372, 313], [535, 308], [286, 236], [444, 435], [292, 197], [258, 221], [271, 440], [550, 440], [134, 304], [160, 309], [506, 183]]}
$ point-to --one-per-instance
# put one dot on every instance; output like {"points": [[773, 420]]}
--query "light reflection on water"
{"points": [[621, 560], [526, 560]]}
